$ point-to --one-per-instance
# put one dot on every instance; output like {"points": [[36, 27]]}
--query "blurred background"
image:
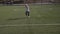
{"points": [[28, 1], [44, 17]]}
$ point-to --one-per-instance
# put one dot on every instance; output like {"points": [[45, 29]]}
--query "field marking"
{"points": [[50, 8], [28, 25]]}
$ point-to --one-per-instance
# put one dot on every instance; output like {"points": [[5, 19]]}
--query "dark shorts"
{"points": [[27, 13]]}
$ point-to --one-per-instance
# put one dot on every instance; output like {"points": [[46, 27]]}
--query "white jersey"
{"points": [[27, 7]]}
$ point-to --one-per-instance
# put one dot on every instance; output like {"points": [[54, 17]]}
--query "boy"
{"points": [[27, 10]]}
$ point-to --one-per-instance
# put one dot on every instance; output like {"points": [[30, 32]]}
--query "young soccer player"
{"points": [[27, 13]]}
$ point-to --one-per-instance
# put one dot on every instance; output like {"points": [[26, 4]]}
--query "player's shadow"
{"points": [[17, 18]]}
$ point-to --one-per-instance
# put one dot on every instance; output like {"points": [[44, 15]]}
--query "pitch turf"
{"points": [[44, 19]]}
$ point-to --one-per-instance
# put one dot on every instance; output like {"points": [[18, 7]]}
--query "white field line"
{"points": [[29, 25]]}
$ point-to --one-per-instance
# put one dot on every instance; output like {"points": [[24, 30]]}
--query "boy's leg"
{"points": [[27, 13]]}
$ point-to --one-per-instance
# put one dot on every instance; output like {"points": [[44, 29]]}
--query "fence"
{"points": [[28, 1]]}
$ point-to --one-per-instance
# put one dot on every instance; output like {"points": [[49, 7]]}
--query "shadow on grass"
{"points": [[17, 18], [22, 18]]}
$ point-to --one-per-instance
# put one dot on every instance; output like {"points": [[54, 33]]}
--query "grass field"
{"points": [[44, 19]]}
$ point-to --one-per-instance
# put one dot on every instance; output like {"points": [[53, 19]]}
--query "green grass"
{"points": [[40, 14]]}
